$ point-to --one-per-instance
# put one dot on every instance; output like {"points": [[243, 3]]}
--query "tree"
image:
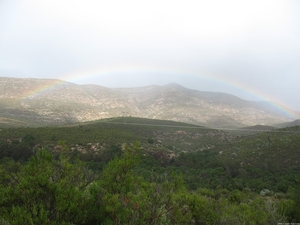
{"points": [[121, 197], [45, 191]]}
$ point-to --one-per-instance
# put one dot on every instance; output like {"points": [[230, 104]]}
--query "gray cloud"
{"points": [[254, 44]]}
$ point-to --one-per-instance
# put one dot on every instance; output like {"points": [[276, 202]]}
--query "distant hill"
{"points": [[289, 124], [43, 102], [252, 129]]}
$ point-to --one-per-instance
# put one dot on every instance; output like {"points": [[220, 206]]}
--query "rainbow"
{"points": [[79, 76], [48, 86]]}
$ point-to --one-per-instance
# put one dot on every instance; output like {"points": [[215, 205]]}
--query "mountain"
{"points": [[39, 102], [289, 124]]}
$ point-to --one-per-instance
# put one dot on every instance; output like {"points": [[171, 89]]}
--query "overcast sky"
{"points": [[247, 48]]}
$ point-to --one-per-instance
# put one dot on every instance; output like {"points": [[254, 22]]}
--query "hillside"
{"points": [[101, 182], [206, 157], [289, 124], [40, 102], [156, 136], [271, 150], [263, 148]]}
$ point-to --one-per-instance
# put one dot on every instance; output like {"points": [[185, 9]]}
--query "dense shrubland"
{"points": [[176, 176], [59, 188]]}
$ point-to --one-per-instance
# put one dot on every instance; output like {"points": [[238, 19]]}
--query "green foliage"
{"points": [[150, 141], [203, 209], [17, 149], [293, 207], [44, 191], [133, 186], [123, 198], [28, 139], [262, 161]]}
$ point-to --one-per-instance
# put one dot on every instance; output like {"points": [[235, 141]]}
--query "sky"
{"points": [[247, 48]]}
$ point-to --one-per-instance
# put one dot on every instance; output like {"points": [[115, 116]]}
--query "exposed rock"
{"points": [[47, 102]]}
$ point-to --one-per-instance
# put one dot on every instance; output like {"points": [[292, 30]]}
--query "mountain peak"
{"points": [[174, 85]]}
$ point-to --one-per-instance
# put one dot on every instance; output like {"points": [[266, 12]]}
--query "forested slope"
{"points": [[178, 173]]}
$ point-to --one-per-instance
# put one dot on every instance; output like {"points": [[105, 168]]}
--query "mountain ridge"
{"points": [[65, 102]]}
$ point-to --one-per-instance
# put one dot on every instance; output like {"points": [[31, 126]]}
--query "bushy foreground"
{"points": [[51, 189]]}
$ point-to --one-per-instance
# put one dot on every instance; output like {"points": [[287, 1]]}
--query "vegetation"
{"points": [[179, 174], [53, 189]]}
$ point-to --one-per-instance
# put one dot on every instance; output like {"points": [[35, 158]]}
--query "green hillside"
{"points": [[207, 157], [153, 134], [186, 174], [276, 149]]}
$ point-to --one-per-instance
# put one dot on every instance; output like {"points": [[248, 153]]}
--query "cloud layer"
{"points": [[248, 49]]}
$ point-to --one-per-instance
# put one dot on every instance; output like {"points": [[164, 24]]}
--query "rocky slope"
{"points": [[32, 102]]}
